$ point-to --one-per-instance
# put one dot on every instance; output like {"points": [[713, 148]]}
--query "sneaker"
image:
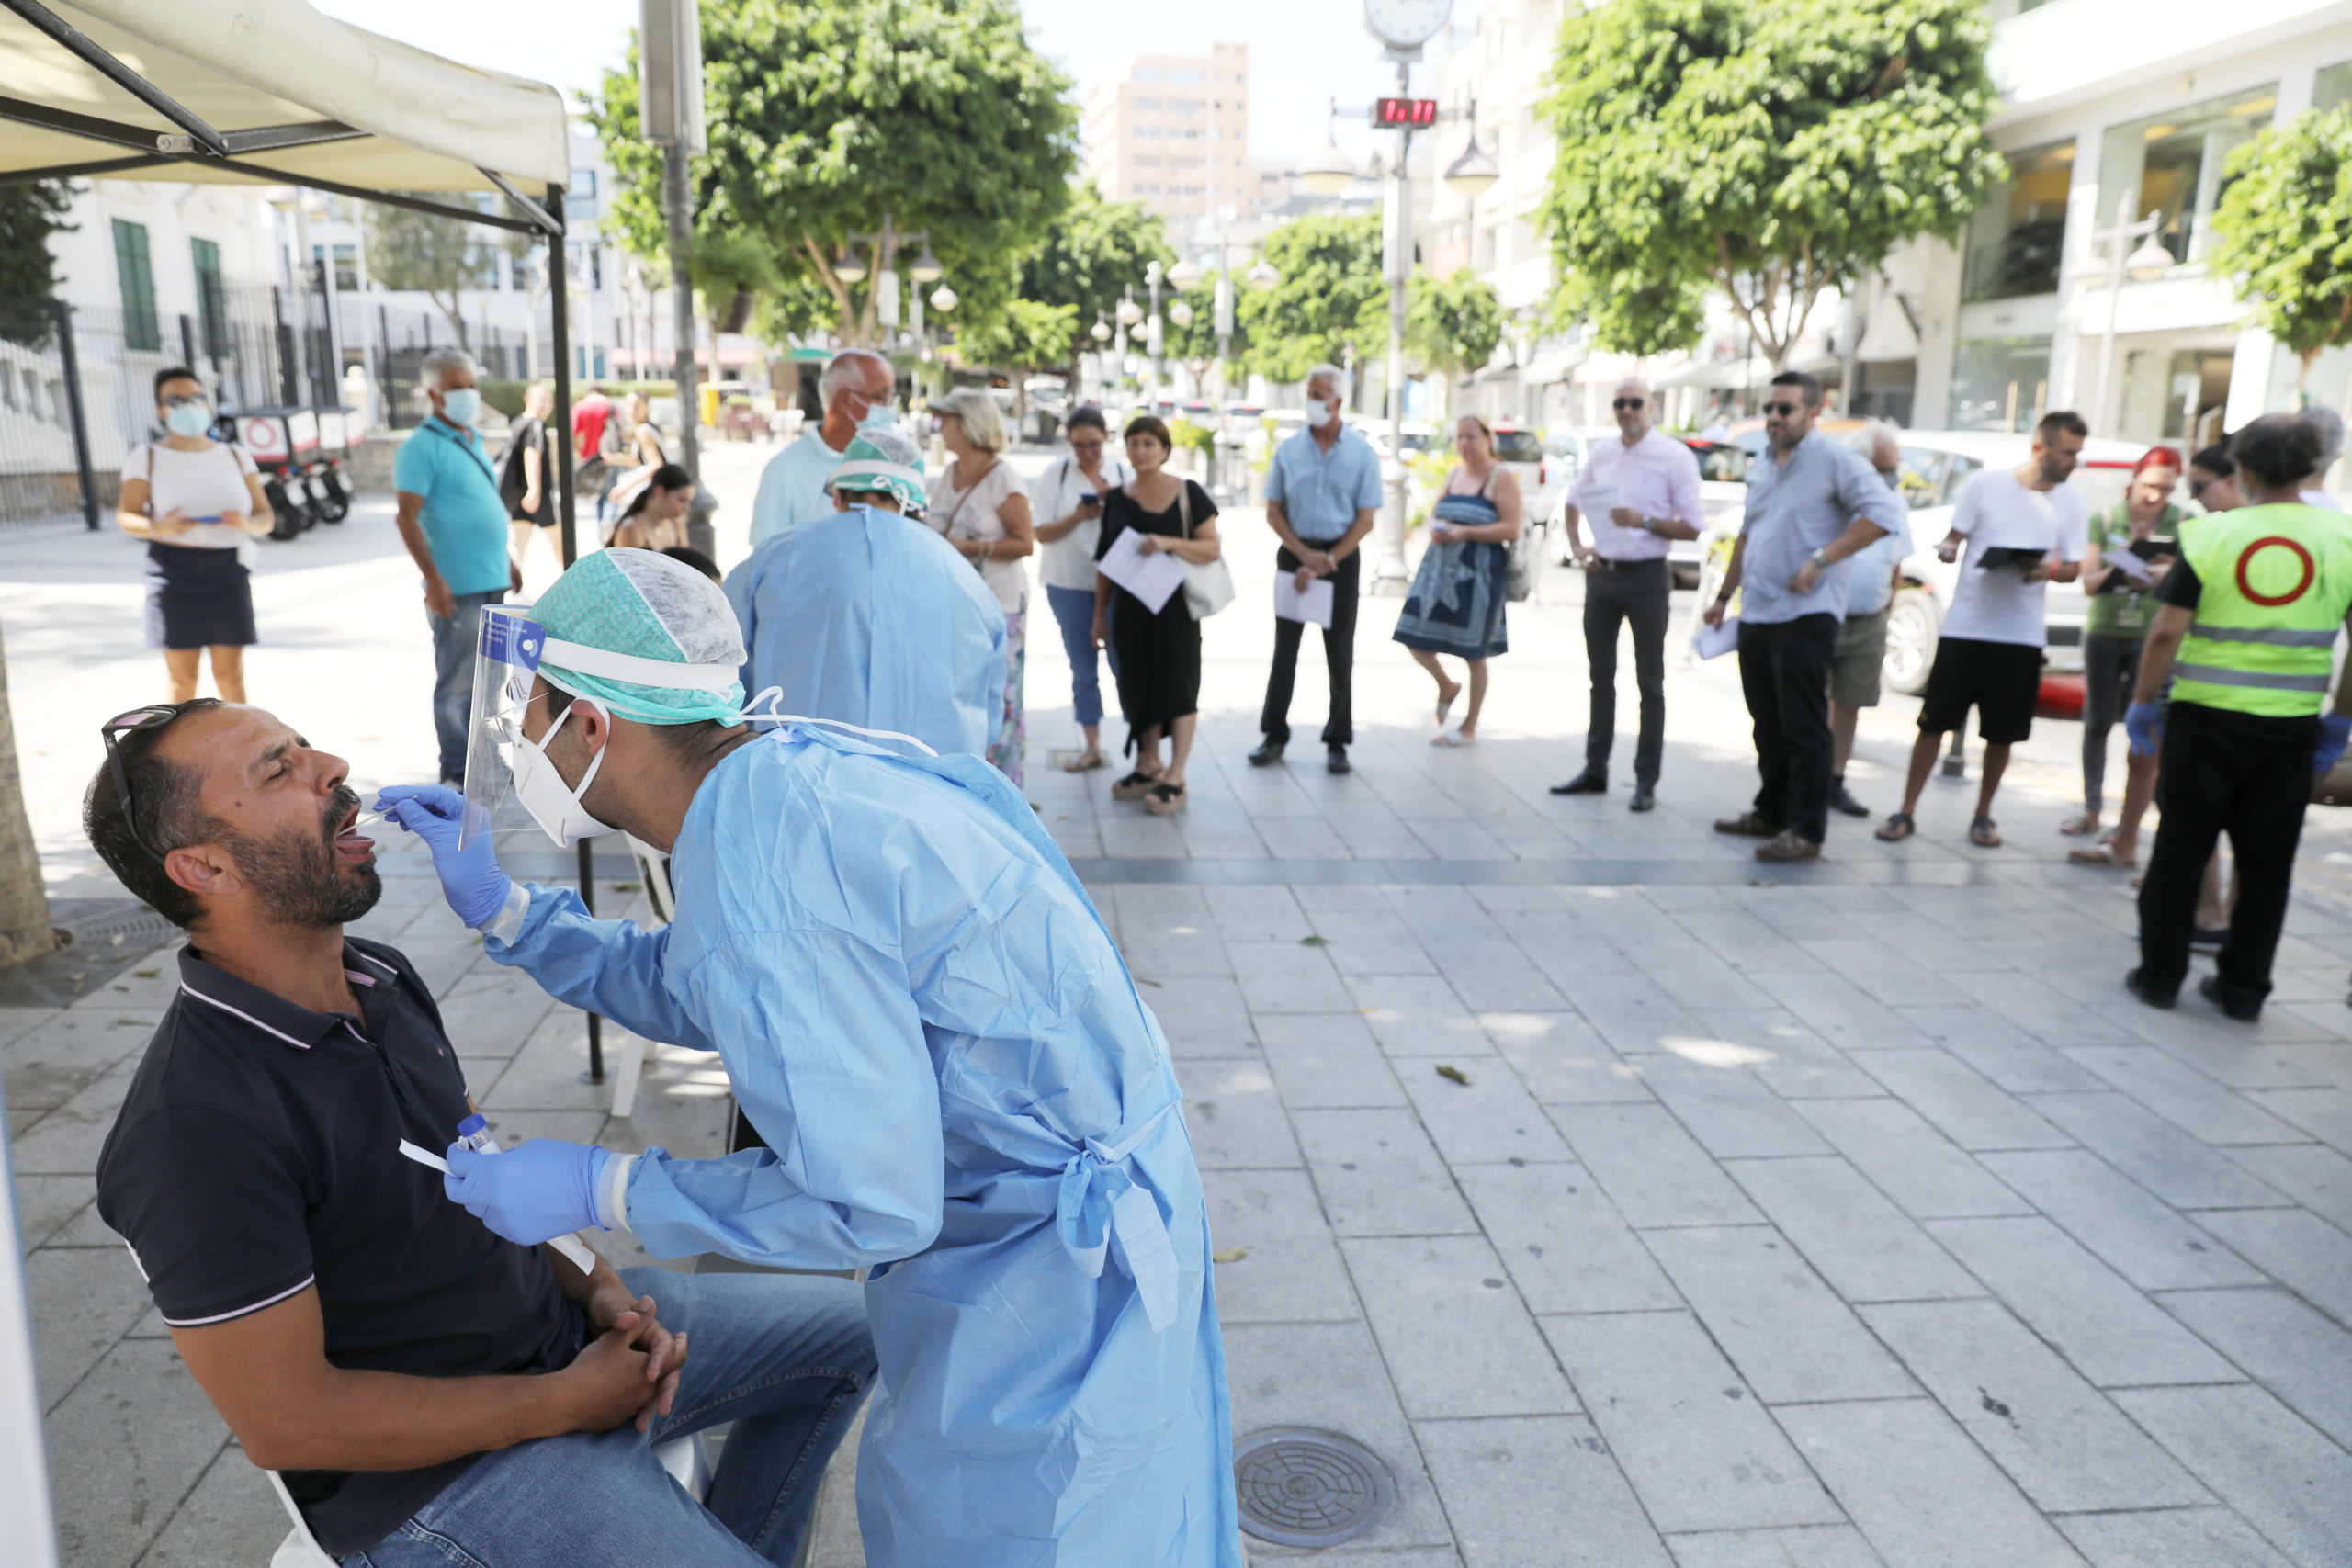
{"points": [[2148, 991], [2210, 987], [1842, 800], [1788, 845]]}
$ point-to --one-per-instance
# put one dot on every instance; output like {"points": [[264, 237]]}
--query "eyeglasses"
{"points": [[1784, 409], [184, 400], [1621, 404], [112, 732]]}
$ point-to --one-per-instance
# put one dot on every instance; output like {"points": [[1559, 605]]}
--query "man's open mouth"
{"points": [[350, 844]]}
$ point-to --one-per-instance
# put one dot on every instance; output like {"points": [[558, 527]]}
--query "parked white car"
{"points": [[1935, 465]]}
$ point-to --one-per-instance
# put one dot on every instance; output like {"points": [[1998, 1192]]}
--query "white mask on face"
{"points": [[1321, 412], [554, 805]]}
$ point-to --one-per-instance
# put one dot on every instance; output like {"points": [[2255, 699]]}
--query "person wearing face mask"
{"points": [[1322, 496], [963, 1092], [454, 523], [1066, 505], [855, 388], [199, 506]]}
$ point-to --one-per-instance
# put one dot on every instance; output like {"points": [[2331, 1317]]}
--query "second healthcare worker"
{"points": [[923, 1013]]}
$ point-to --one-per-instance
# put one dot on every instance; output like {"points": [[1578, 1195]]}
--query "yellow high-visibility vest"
{"points": [[2274, 584]]}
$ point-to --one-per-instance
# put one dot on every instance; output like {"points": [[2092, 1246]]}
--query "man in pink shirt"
{"points": [[1639, 491]]}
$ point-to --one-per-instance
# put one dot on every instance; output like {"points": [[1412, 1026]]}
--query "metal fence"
{"points": [[396, 338]]}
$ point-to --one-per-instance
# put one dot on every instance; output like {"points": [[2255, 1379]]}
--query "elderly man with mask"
{"points": [[1322, 496], [867, 617], [925, 1016], [454, 523], [856, 388], [1857, 665]]}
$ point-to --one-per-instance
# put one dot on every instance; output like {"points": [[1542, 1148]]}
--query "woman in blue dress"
{"points": [[1456, 605]]}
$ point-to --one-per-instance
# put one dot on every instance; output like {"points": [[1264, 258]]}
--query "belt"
{"points": [[1611, 564], [1103, 1212]]}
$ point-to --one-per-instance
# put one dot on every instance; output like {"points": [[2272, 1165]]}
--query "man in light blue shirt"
{"points": [[1854, 668], [1812, 504], [855, 388], [454, 523], [1322, 495]]}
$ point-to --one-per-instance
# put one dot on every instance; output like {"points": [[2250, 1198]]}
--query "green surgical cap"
{"points": [[885, 461], [644, 604]]}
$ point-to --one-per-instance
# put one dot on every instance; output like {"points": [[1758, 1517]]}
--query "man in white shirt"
{"points": [[2021, 527], [1638, 491], [855, 388]]}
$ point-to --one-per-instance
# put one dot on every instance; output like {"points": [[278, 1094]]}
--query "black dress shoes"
{"points": [[1267, 754], [1645, 799], [1337, 761], [1584, 782]]}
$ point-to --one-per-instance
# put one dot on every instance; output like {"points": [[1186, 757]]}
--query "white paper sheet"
{"points": [[1313, 607], [2130, 565], [1711, 642], [1151, 578]]}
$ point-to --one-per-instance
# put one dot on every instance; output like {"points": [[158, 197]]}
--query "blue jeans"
{"points": [[455, 637], [1074, 613], [786, 1358]]}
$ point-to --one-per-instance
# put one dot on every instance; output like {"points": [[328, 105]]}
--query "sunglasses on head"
{"points": [[1784, 409], [1621, 404], [154, 716]]}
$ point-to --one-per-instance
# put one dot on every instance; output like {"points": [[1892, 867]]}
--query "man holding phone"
{"points": [[2021, 527], [1067, 502]]}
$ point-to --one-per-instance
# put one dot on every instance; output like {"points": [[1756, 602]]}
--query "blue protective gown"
{"points": [[869, 618], [926, 1017]]}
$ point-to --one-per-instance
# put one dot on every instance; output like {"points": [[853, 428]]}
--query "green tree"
{"points": [[1194, 342], [438, 257], [1087, 259], [1766, 152], [1451, 324], [1023, 337], [1323, 306], [29, 214], [2285, 232], [830, 119]]}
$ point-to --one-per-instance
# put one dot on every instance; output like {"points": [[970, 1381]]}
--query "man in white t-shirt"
{"points": [[2021, 527]]}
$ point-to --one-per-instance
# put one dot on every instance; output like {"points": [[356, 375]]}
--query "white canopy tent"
{"points": [[265, 91]]}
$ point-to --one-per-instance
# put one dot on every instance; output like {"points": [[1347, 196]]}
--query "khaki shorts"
{"points": [[1860, 655]]}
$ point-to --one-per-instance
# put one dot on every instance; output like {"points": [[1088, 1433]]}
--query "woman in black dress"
{"points": [[1159, 655]]}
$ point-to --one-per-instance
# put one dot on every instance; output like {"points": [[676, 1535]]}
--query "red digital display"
{"points": [[1390, 112]]}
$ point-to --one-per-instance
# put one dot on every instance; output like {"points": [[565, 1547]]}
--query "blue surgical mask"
{"points": [[462, 406], [879, 416], [188, 419]]}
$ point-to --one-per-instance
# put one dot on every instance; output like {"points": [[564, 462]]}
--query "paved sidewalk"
{"points": [[1635, 1204]]}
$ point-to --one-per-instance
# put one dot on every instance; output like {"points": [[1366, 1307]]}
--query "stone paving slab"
{"points": [[1877, 1143]]}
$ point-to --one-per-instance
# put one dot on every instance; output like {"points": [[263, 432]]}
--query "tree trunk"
{"points": [[25, 930]]}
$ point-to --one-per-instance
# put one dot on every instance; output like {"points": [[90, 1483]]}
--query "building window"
{"points": [[2017, 237], [2333, 87], [346, 264], [1183, 78], [2172, 166], [137, 275], [580, 199], [2000, 383], [211, 298], [1146, 73], [1147, 103]]}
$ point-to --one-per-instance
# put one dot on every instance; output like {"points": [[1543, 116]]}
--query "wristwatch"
{"points": [[1821, 558]]}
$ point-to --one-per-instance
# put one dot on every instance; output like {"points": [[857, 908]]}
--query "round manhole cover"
{"points": [[1302, 1487]]}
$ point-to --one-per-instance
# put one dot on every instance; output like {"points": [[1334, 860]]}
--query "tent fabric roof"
{"points": [[421, 123]]}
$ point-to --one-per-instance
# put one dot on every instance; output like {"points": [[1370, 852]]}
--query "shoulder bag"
{"points": [[1520, 561], [1208, 585]]}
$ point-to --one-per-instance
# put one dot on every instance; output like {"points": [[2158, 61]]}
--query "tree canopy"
{"points": [[1085, 261], [1451, 324], [439, 256], [2285, 231], [1327, 302], [1766, 152], [29, 214], [826, 117]]}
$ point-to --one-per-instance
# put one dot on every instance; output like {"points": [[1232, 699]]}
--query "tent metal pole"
{"points": [[84, 49], [567, 515]]}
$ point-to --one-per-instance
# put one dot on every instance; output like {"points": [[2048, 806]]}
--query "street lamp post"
{"points": [[1153, 338], [2149, 260]]}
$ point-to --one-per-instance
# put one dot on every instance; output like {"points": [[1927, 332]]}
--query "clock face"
{"points": [[1406, 23]]}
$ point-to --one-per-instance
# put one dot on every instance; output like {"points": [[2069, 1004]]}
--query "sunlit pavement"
{"points": [[1634, 1204]]}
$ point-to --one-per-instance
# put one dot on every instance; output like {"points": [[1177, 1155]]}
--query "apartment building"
{"points": [[1174, 134], [2109, 105]]}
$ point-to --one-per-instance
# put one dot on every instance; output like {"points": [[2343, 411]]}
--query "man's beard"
{"points": [[299, 878]]}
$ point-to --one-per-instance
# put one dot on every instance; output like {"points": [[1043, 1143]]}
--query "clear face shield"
{"points": [[506, 668]]}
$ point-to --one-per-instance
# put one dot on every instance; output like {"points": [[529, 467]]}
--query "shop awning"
{"points": [[265, 91]]}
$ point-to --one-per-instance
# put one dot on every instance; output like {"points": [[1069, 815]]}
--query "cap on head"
{"points": [[646, 606], [887, 460]]}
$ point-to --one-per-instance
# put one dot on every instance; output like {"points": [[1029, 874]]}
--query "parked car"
{"points": [[1935, 465]]}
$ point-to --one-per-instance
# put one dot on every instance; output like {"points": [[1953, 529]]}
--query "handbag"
{"points": [[1208, 585]]}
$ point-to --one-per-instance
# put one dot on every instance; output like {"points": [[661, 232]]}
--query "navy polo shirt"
{"points": [[258, 1154]]}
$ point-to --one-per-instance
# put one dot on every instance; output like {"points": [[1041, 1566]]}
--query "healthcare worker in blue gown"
{"points": [[923, 1013], [868, 616]]}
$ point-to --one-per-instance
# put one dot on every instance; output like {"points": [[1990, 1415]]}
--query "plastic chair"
{"points": [[653, 870], [683, 1458]]}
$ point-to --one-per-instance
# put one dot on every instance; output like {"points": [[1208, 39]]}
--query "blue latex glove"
{"points": [[2334, 729], [2144, 723], [540, 1188], [470, 879]]}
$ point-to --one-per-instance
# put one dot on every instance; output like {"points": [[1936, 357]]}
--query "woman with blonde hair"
{"points": [[1456, 603], [979, 503]]}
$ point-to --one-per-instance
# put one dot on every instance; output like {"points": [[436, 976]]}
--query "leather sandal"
{"points": [[1984, 834], [1134, 787], [1896, 828]]}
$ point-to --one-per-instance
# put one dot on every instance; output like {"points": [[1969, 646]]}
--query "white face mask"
{"points": [[554, 805], [1321, 412]]}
